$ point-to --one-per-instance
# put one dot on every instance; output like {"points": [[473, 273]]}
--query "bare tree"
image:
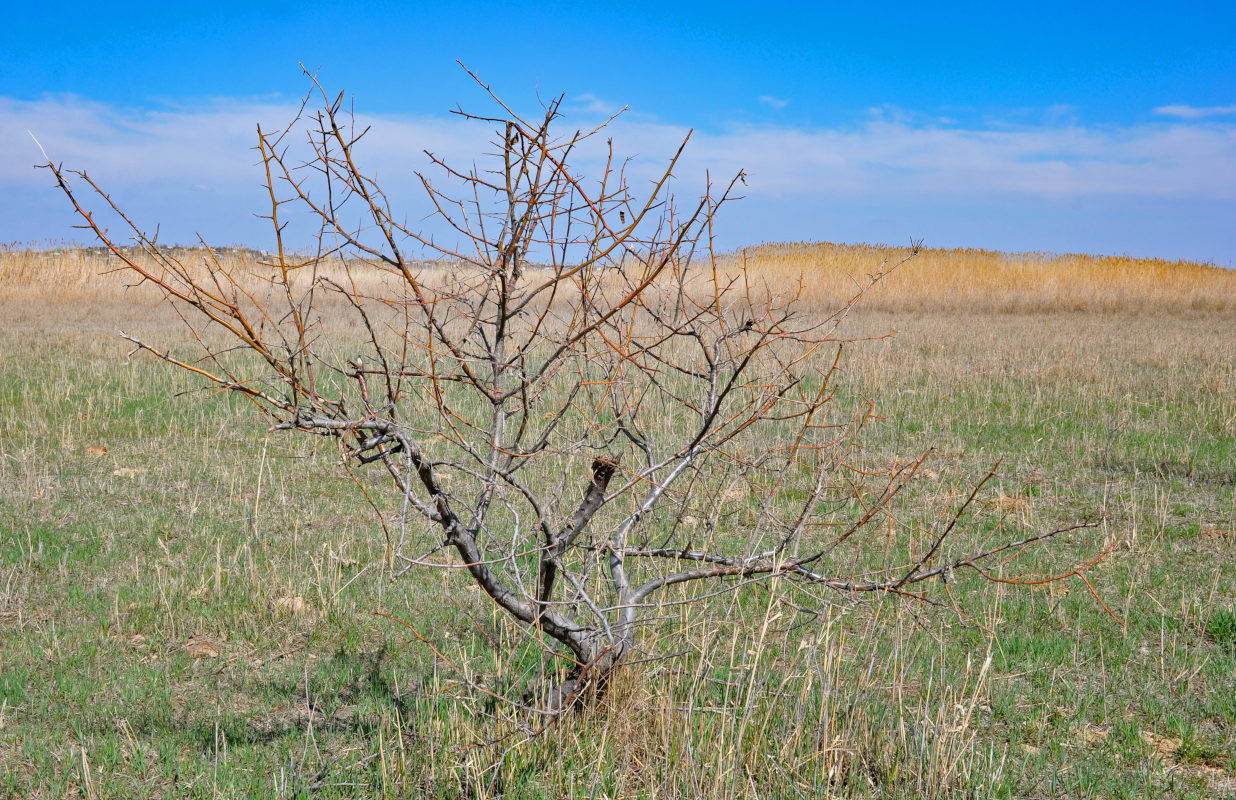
{"points": [[580, 404]]}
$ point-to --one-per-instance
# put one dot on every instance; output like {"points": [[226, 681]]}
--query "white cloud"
{"points": [[773, 102], [892, 157], [885, 158], [1195, 112], [589, 103], [208, 146]]}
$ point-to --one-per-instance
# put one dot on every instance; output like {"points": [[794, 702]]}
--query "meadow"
{"points": [[192, 606]]}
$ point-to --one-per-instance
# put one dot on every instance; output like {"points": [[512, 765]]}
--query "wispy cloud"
{"points": [[165, 160], [1195, 112], [211, 145], [193, 171], [589, 103], [773, 102], [882, 158]]}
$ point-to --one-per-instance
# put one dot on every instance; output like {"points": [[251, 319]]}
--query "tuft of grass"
{"points": [[1222, 628]]}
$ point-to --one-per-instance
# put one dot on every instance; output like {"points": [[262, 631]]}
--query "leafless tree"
{"points": [[580, 404]]}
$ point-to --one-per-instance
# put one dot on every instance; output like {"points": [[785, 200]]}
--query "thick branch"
{"points": [[594, 497]]}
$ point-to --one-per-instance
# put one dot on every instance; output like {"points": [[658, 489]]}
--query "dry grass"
{"points": [[186, 606], [977, 281], [991, 281]]}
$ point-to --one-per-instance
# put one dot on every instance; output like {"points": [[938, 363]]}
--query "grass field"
{"points": [[193, 607]]}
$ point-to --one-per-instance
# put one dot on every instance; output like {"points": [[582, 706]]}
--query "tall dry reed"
{"points": [[988, 280], [828, 275]]}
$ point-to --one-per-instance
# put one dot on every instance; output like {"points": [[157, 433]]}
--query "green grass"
{"points": [[1222, 628], [192, 613]]}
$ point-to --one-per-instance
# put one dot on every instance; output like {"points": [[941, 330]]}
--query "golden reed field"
{"points": [[988, 280], [963, 279]]}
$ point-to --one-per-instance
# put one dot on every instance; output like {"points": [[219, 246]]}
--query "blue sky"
{"points": [[1107, 128]]}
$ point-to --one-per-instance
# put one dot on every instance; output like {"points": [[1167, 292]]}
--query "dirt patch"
{"points": [[201, 646], [1165, 747], [1167, 750], [1093, 734], [1216, 532]]}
